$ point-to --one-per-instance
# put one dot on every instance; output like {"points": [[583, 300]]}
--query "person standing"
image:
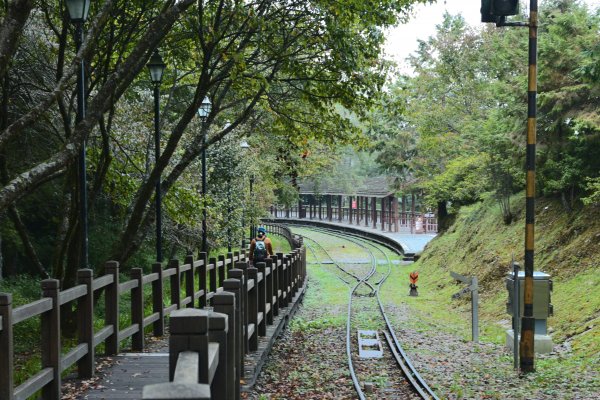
{"points": [[260, 247]]}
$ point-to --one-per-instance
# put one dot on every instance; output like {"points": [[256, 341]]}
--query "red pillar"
{"points": [[395, 213], [350, 210], [403, 210], [412, 213], [320, 207], [383, 213], [374, 211], [366, 211]]}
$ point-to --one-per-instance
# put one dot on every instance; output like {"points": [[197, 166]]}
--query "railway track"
{"points": [[364, 300]]}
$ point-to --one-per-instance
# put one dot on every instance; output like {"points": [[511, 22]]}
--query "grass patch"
{"points": [[479, 244]]}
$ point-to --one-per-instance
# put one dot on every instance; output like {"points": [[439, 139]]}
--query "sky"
{"points": [[402, 40]]}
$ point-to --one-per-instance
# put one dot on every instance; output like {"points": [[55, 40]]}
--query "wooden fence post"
{"points": [[253, 308], [275, 273], [224, 303], [269, 289], [189, 332], [158, 306], [222, 269], [85, 322], [241, 274], [233, 285], [218, 331], [202, 278], [51, 345], [189, 281], [137, 310], [262, 298], [229, 263], [288, 279], [294, 273], [213, 274], [6, 348], [111, 298], [281, 271], [175, 283]]}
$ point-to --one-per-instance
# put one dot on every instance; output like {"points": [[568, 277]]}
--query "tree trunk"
{"points": [[565, 202], [1, 260], [11, 29], [442, 215], [107, 95]]}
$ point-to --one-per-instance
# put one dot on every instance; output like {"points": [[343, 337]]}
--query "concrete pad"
{"points": [[542, 344]]}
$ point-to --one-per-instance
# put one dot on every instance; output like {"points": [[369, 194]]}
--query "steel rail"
{"points": [[398, 352], [334, 262], [355, 381], [314, 253], [403, 360]]}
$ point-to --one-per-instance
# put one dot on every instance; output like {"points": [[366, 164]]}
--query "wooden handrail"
{"points": [[262, 295]]}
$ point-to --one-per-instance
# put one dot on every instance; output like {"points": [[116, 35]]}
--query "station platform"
{"points": [[411, 243]]}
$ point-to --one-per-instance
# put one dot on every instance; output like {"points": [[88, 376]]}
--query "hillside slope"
{"points": [[567, 247]]}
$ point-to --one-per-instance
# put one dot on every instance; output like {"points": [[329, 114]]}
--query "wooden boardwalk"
{"points": [[130, 372]]}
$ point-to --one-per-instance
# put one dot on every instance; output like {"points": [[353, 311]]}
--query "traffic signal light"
{"points": [[492, 9], [505, 7], [486, 11]]}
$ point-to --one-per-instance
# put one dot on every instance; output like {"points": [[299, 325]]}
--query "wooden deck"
{"points": [[130, 372]]}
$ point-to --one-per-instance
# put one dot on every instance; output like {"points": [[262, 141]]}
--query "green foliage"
{"points": [[288, 76], [463, 181], [456, 127], [593, 187]]}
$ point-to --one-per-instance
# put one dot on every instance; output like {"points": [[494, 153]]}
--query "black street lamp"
{"points": [[252, 208], [203, 112], [78, 13], [156, 66], [244, 146]]}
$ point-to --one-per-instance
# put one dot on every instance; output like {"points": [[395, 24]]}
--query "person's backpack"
{"points": [[260, 250]]}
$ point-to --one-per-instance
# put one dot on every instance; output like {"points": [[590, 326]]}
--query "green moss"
{"points": [[480, 244]]}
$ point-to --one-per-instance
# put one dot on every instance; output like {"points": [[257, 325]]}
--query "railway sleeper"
{"points": [[369, 345]]}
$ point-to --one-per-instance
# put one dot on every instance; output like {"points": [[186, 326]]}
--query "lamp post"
{"points": [[244, 146], [156, 67], [78, 13], [203, 112], [252, 209]]}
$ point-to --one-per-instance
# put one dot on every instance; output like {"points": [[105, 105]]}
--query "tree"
{"points": [[282, 68]]}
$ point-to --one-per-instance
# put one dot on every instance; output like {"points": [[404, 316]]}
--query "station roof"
{"points": [[379, 186]]}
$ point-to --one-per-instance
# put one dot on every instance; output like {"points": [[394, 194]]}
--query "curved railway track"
{"points": [[374, 278]]}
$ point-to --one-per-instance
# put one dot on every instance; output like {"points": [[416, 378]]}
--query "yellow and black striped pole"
{"points": [[526, 350]]}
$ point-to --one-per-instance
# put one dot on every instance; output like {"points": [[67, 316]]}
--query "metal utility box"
{"points": [[542, 308]]}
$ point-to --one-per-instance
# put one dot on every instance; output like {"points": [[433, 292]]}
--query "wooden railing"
{"points": [[202, 279], [218, 341], [385, 220]]}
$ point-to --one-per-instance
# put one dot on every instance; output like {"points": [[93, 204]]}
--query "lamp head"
{"points": [[204, 109], [78, 10], [156, 66]]}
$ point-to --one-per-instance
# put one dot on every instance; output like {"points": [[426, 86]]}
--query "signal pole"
{"points": [[527, 323], [496, 11]]}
